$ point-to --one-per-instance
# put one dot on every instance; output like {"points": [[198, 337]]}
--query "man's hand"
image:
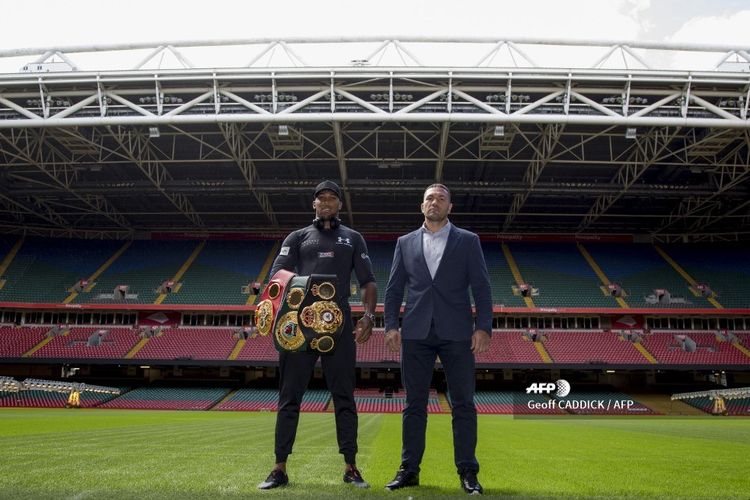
{"points": [[480, 342], [393, 340], [363, 330]]}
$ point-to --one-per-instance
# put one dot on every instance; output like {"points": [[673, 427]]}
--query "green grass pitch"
{"points": [[157, 454]]}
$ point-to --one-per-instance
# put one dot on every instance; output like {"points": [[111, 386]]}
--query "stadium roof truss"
{"points": [[661, 154]]}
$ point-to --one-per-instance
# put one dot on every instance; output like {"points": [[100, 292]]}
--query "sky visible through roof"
{"points": [[48, 23]]}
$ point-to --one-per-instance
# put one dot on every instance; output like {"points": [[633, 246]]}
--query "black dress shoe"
{"points": [[403, 479], [275, 479], [470, 484]]}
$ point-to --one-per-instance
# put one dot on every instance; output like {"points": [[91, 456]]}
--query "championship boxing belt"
{"points": [[320, 318], [287, 335], [270, 301], [305, 314]]}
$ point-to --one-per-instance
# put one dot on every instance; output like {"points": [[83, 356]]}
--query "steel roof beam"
{"points": [[467, 118], [239, 150], [549, 139], [343, 173], [137, 148], [402, 45], [271, 186], [440, 163], [647, 149], [728, 177], [31, 149]]}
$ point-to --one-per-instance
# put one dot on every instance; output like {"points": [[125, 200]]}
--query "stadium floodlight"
{"points": [[499, 131], [9, 384], [283, 130], [154, 132], [738, 393], [32, 384], [630, 133]]}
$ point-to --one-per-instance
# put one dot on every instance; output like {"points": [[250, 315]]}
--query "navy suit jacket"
{"points": [[444, 300]]}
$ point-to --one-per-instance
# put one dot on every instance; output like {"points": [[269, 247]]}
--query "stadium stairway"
{"points": [[226, 398], [180, 272], [92, 279], [646, 354], [140, 345], [744, 350], [560, 274], [590, 347], [318, 400], [725, 268], [661, 403], [670, 347], [142, 268], [263, 274], [247, 399], [41, 344], [89, 342], [600, 274], [44, 270], [516, 272], [641, 271], [539, 346], [221, 274], [374, 401], [682, 272], [166, 398], [15, 341], [34, 349], [237, 348], [445, 406], [189, 343], [9, 258], [501, 276], [259, 348]]}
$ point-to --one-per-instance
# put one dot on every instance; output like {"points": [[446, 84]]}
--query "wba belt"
{"points": [[300, 312]]}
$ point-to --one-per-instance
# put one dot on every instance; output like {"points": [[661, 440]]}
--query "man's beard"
{"points": [[435, 216]]}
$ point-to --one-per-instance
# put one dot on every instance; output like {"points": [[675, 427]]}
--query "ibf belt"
{"points": [[305, 317]]}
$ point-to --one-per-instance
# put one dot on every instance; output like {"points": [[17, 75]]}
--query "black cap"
{"points": [[328, 186]]}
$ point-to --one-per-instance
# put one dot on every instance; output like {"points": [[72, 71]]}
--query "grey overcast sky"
{"points": [[47, 23]]}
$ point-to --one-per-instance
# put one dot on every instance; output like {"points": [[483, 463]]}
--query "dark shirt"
{"points": [[332, 251]]}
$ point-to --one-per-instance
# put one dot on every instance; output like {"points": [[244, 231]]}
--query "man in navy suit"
{"points": [[437, 265]]}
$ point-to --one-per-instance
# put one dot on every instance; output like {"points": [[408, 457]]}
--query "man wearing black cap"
{"points": [[325, 247]]}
